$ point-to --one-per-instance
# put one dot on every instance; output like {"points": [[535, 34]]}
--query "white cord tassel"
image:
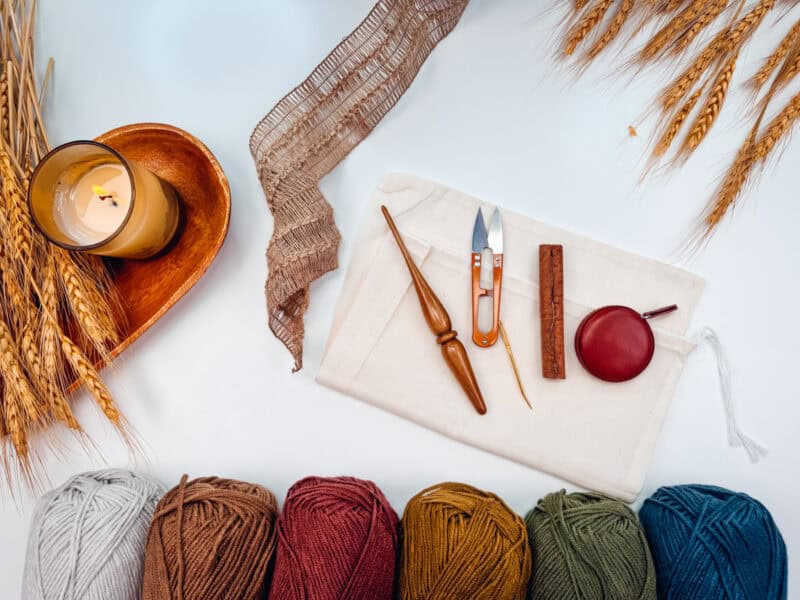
{"points": [[736, 438]]}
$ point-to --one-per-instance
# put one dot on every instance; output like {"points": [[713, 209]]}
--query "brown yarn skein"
{"points": [[461, 542], [210, 538]]}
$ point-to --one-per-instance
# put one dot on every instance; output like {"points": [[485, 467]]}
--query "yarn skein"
{"points": [[88, 536], [710, 543], [337, 540], [210, 539], [588, 547], [461, 542]]}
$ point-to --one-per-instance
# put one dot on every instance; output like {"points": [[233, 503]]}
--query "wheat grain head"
{"points": [[50, 329], [674, 125], [84, 302], [58, 403], [731, 186], [707, 16], [668, 6], [777, 129], [89, 377], [669, 32], [680, 86], [744, 28], [771, 63], [613, 29], [711, 108], [585, 25], [102, 294], [16, 380]]}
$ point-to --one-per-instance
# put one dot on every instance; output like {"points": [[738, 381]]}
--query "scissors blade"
{"points": [[479, 239], [496, 233]]}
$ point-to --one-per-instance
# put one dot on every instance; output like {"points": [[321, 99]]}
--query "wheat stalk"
{"points": [[57, 399], [771, 63], [678, 89], [710, 110], [731, 186], [668, 6], [19, 240], [51, 350], [786, 74], [79, 299], [671, 30], [755, 148], [18, 435], [4, 121], [56, 308], [705, 78], [709, 13], [91, 379], [613, 29], [17, 429], [777, 129], [16, 305], [14, 377], [578, 5], [585, 25], [103, 300], [674, 125], [748, 24]]}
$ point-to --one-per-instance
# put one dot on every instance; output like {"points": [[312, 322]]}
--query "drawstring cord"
{"points": [[736, 438]]}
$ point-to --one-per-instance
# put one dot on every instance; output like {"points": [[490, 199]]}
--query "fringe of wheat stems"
{"points": [[691, 103], [58, 310]]}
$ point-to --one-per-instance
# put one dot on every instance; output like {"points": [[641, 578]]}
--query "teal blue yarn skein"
{"points": [[709, 543]]}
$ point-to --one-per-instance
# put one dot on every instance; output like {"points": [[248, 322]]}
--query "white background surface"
{"points": [[208, 388]]}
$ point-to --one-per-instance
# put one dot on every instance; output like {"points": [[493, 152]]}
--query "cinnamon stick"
{"points": [[551, 310]]}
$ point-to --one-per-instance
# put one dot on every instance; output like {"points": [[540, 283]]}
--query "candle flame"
{"points": [[100, 190]]}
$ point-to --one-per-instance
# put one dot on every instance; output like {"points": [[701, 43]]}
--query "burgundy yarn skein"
{"points": [[337, 540]]}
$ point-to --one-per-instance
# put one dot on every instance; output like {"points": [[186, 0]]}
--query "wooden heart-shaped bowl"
{"points": [[149, 288]]}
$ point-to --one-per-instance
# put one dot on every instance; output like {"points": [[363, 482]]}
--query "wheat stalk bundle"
{"points": [[704, 40], [58, 309]]}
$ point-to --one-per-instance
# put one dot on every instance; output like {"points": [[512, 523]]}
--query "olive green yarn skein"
{"points": [[588, 547]]}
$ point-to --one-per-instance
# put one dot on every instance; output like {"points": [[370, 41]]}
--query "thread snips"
{"points": [[490, 243], [481, 241]]}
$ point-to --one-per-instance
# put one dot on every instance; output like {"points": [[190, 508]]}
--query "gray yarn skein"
{"points": [[87, 538]]}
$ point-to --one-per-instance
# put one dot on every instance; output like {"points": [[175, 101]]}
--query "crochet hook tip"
{"points": [[507, 344]]}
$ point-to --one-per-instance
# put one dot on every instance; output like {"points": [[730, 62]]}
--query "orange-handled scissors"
{"points": [[481, 240]]}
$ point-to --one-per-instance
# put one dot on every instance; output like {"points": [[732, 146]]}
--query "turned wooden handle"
{"points": [[453, 351], [455, 355]]}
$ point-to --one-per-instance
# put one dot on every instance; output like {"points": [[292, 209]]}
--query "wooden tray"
{"points": [[150, 288]]}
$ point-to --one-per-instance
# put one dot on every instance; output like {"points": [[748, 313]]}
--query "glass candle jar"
{"points": [[86, 196]]}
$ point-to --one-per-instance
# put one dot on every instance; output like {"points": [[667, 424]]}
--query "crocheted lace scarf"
{"points": [[315, 127]]}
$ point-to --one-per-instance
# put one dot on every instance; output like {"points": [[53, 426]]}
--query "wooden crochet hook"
{"points": [[453, 351]]}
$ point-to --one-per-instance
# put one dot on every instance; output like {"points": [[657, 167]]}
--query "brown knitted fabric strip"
{"points": [[315, 126]]}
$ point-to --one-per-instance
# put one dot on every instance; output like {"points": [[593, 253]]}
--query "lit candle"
{"points": [[86, 196], [95, 207]]}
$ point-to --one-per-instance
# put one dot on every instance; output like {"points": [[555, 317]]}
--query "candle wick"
{"points": [[109, 197]]}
